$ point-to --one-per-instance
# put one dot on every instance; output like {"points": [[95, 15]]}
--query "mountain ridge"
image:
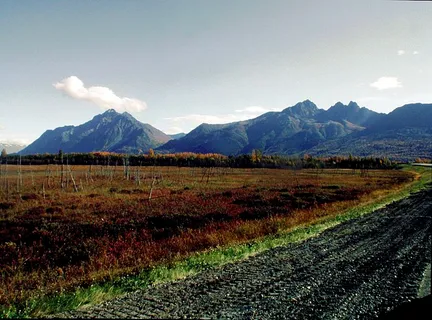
{"points": [[289, 131], [109, 131], [404, 133]]}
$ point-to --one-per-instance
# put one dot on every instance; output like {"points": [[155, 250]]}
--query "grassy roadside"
{"points": [[198, 262]]}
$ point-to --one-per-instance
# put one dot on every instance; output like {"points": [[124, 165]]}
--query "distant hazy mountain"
{"points": [[177, 135], [11, 147], [290, 131], [110, 131]]}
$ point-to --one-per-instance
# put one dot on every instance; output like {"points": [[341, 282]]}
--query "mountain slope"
{"points": [[403, 134], [110, 131], [405, 144], [352, 113], [176, 136], [413, 115], [290, 131]]}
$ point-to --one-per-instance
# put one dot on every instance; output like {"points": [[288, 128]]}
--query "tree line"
{"points": [[189, 159]]}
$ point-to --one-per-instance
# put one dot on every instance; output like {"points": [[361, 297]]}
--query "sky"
{"points": [[176, 64]]}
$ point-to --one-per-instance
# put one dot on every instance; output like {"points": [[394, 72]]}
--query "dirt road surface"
{"points": [[360, 269]]}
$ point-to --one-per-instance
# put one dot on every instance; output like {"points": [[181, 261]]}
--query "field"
{"points": [[359, 269], [67, 227]]}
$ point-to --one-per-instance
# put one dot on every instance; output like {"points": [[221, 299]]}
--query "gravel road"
{"points": [[360, 269]]}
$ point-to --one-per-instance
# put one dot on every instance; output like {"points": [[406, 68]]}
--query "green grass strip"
{"points": [[198, 262]]}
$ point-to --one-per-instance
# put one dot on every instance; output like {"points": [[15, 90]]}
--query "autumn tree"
{"points": [[151, 153], [256, 155], [3, 156]]}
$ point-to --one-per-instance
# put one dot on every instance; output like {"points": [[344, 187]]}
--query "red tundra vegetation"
{"points": [[63, 226]]}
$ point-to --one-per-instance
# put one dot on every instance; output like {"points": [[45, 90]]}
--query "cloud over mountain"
{"points": [[103, 97], [188, 122], [257, 110]]}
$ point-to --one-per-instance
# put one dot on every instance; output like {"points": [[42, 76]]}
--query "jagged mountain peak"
{"points": [[109, 131], [338, 105], [300, 128], [112, 115], [351, 112], [288, 131], [350, 105], [305, 108], [110, 111], [353, 104]]}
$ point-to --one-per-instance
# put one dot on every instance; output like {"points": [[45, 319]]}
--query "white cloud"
{"points": [[257, 110], [252, 109], [371, 99], [103, 97], [189, 122], [174, 130], [205, 118], [401, 52], [384, 83], [17, 141]]}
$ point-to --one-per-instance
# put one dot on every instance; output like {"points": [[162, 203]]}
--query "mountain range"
{"points": [[404, 134], [11, 147]]}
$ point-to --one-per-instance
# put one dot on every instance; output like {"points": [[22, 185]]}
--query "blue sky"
{"points": [[176, 64]]}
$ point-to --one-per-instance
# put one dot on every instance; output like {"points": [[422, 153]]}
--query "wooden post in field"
{"points": [[90, 174], [128, 171], [7, 189], [6, 176], [115, 170], [46, 176], [1, 179], [67, 176], [20, 171], [19, 178], [137, 177], [151, 187], [62, 169], [32, 176], [72, 178]]}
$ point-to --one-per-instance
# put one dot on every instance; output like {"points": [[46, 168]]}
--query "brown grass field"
{"points": [[60, 230]]}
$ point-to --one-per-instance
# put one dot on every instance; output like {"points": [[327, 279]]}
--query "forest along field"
{"points": [[64, 227]]}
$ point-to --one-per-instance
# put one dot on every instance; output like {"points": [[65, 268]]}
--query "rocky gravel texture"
{"points": [[360, 269]]}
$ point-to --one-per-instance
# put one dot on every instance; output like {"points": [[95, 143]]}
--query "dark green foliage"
{"points": [[187, 159]]}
